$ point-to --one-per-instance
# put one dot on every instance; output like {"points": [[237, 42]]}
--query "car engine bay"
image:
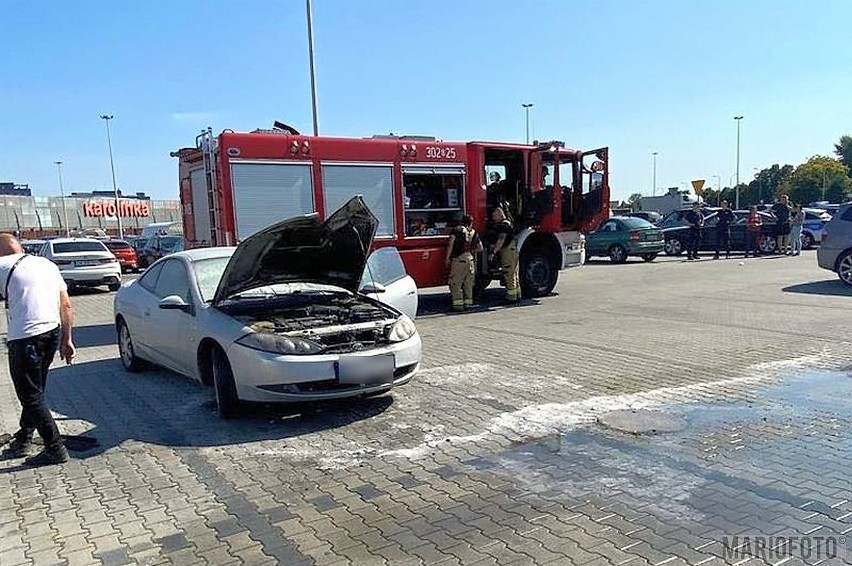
{"points": [[338, 324]]}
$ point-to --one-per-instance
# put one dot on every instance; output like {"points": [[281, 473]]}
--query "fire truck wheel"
{"points": [[538, 274]]}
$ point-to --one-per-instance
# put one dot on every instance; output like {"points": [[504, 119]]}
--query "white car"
{"points": [[84, 262], [291, 314]]}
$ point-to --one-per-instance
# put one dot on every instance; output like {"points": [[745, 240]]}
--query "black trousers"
{"points": [[723, 240], [694, 241], [751, 243], [29, 362]]}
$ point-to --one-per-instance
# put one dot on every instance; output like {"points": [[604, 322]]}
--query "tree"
{"points": [[767, 185], [843, 149], [633, 201], [820, 178]]}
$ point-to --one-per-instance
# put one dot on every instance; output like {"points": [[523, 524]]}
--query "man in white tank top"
{"points": [[39, 320]]}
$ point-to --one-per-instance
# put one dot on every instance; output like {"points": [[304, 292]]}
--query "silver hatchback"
{"points": [[835, 250]]}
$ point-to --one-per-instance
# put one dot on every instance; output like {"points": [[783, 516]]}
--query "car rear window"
{"points": [[637, 223], [76, 247], [118, 245]]}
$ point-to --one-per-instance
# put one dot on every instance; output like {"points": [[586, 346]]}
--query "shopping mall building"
{"points": [[34, 217]]}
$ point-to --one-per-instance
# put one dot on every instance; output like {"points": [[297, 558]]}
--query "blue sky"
{"points": [[666, 76]]}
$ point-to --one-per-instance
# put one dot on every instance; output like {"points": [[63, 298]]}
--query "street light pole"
{"points": [[654, 177], [62, 193], [527, 107], [313, 70], [106, 118], [738, 120]]}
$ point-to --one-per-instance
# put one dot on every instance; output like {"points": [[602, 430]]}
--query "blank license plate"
{"points": [[85, 262], [366, 369]]}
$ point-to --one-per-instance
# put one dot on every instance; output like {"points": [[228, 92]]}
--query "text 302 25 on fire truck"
{"points": [[235, 184]]}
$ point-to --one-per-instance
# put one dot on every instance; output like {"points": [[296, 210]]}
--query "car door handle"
{"points": [[147, 312], [412, 292]]}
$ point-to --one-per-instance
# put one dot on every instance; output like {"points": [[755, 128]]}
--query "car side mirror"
{"points": [[373, 288], [176, 303]]}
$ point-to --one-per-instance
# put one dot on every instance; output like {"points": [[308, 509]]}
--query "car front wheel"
{"points": [[129, 360], [227, 402], [649, 257], [617, 254], [844, 268], [807, 241], [673, 247]]}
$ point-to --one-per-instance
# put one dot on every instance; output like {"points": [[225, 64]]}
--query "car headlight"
{"points": [[289, 345], [402, 329]]}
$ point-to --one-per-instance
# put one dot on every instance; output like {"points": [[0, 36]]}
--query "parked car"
{"points": [[835, 250], [157, 247], [84, 262], [815, 221], [125, 254], [826, 206], [651, 216], [620, 237], [676, 232], [32, 246], [288, 315]]}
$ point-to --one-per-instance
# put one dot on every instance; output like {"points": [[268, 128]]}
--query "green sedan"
{"points": [[620, 237]]}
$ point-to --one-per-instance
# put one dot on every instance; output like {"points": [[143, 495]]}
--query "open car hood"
{"points": [[303, 249]]}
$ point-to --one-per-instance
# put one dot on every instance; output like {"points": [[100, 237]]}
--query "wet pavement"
{"points": [[769, 462], [510, 447]]}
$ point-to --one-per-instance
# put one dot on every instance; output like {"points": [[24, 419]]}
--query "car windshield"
{"points": [[634, 223], [208, 272], [77, 247], [169, 243]]}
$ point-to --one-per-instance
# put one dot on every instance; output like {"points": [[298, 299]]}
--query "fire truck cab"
{"points": [[234, 184]]}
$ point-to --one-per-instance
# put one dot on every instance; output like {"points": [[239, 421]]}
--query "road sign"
{"points": [[698, 186]]}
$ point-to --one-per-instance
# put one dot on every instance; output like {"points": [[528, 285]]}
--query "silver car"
{"points": [[291, 314], [835, 250]]}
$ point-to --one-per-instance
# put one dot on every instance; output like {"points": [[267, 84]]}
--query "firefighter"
{"points": [[506, 248], [495, 195], [464, 243]]}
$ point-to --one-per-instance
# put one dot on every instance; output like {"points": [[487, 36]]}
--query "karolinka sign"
{"points": [[133, 209]]}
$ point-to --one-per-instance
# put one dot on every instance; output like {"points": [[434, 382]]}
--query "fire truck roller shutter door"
{"points": [[266, 193], [342, 181]]}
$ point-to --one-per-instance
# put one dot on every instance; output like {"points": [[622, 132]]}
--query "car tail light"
{"points": [[108, 260], [824, 237], [634, 236]]}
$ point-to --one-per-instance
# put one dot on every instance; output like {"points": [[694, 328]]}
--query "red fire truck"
{"points": [[234, 184]]}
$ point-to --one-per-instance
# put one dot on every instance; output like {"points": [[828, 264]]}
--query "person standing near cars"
{"points": [[39, 316], [797, 220], [723, 230], [696, 221], [781, 211], [754, 225], [506, 248], [464, 243]]}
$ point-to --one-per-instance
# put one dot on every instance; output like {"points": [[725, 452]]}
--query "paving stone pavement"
{"points": [[493, 454]]}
